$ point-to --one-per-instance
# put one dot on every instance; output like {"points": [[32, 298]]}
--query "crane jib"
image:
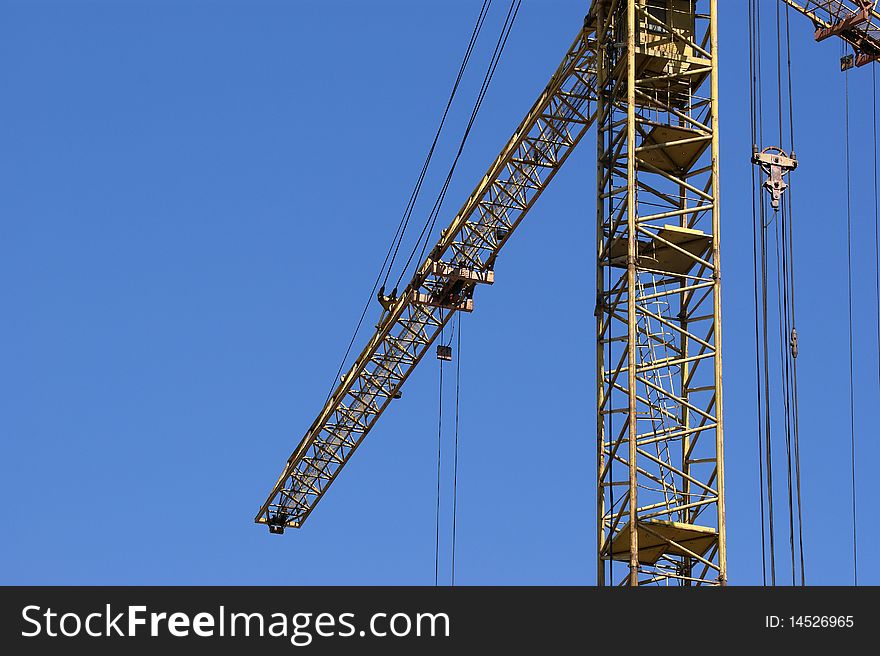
{"points": [[463, 258]]}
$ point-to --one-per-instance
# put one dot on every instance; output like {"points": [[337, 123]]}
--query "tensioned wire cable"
{"points": [[456, 329], [455, 460], [753, 91], [876, 213], [401, 227], [404, 220], [786, 308], [852, 427], [426, 233], [430, 222], [782, 289], [439, 454], [761, 281], [791, 283]]}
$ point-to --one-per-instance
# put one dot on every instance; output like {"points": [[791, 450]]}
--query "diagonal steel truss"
{"points": [[645, 71], [463, 258], [658, 311]]}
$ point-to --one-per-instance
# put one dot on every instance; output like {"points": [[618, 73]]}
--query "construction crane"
{"points": [[645, 73]]}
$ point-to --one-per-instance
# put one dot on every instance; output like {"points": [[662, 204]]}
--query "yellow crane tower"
{"points": [[645, 73]]}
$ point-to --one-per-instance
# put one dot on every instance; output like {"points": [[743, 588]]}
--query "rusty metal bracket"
{"points": [[777, 164], [850, 24], [855, 28]]}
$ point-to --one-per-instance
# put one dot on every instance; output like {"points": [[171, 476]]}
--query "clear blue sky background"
{"points": [[196, 197]]}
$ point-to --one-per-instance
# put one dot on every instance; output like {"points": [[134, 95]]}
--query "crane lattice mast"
{"points": [[658, 330]]}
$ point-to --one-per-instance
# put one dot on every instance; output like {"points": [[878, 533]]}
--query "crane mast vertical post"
{"points": [[601, 110], [716, 259], [631, 280], [660, 478]]}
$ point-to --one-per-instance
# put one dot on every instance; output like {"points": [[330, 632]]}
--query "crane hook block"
{"points": [[777, 164]]}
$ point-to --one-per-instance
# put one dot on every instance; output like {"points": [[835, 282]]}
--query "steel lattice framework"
{"points": [[444, 284], [855, 21], [660, 437], [646, 72]]}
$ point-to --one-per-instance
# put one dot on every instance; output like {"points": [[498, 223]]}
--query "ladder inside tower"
{"points": [[657, 357]]}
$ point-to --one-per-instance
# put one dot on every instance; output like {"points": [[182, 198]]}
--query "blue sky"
{"points": [[197, 196]]}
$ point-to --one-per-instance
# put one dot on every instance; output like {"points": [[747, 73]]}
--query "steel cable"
{"points": [[401, 227], [431, 220], [852, 427]]}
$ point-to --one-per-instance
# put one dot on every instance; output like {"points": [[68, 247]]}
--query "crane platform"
{"points": [[672, 249], [658, 538], [672, 148]]}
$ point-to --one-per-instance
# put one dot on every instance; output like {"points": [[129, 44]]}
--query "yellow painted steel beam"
{"points": [[659, 425], [463, 258]]}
